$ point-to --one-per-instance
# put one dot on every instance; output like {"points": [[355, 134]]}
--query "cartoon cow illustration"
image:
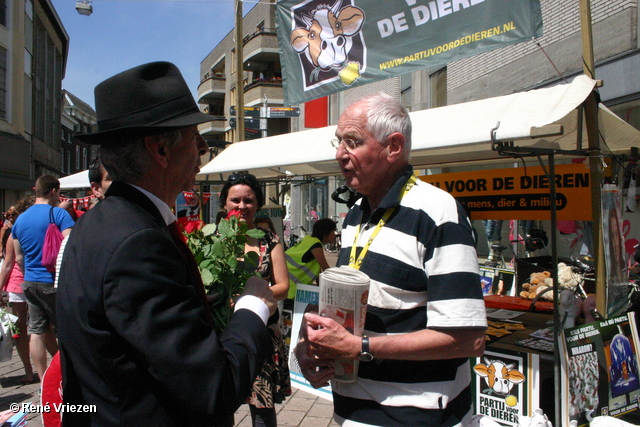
{"points": [[500, 377], [326, 39]]}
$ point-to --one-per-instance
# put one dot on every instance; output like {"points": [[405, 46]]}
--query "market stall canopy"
{"points": [[545, 118], [77, 180]]}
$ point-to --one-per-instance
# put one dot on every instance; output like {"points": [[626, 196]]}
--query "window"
{"points": [[62, 161], [84, 158], [233, 61], [77, 157], [47, 96], [438, 85], [3, 12], [68, 161], [28, 9], [405, 91], [3, 83]]}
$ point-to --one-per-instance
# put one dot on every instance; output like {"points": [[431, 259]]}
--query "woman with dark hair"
{"points": [[10, 217], [306, 260], [11, 278], [243, 193]]}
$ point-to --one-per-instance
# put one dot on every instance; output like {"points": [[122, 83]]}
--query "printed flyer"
{"points": [[600, 360], [506, 385], [307, 299]]}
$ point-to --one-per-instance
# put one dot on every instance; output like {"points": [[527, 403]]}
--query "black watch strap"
{"points": [[365, 353]]}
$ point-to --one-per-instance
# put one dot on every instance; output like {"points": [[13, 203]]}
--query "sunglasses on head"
{"points": [[235, 177]]}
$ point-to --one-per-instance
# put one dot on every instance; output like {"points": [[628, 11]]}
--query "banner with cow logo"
{"points": [[330, 45]]}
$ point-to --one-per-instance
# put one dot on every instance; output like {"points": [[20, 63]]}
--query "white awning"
{"points": [[77, 180], [442, 136]]}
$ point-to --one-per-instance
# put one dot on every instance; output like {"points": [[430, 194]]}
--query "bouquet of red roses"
{"points": [[224, 266]]}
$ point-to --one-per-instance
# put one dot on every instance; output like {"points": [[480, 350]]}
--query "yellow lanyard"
{"points": [[356, 263]]}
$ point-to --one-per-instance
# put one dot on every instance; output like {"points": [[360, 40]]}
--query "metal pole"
{"points": [[263, 120], [557, 326], [591, 122], [239, 74]]}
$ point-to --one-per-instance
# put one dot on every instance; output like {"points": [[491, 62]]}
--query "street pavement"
{"points": [[301, 409]]}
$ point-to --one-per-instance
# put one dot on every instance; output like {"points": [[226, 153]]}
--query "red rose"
{"points": [[234, 212], [15, 336], [192, 226]]}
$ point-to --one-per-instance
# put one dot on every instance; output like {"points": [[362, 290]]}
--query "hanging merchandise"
{"points": [[84, 201]]}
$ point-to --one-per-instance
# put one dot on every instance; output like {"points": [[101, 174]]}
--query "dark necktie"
{"points": [[181, 242]]}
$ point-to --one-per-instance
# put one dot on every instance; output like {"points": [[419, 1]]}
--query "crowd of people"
{"points": [[131, 316], [28, 285]]}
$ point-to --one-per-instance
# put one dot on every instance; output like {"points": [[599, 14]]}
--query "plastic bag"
{"points": [[52, 240], [6, 339]]}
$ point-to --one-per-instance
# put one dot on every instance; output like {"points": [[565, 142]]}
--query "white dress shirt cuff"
{"points": [[254, 304]]}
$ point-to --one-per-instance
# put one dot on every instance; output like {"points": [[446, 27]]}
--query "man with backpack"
{"points": [[29, 235]]}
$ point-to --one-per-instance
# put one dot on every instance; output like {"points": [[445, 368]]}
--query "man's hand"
{"points": [[330, 340], [260, 288], [317, 371]]}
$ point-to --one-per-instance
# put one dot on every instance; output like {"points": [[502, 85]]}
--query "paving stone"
{"points": [[321, 409], [298, 404], [290, 418], [314, 422]]}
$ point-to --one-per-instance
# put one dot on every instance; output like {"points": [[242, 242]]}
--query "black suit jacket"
{"points": [[133, 335]]}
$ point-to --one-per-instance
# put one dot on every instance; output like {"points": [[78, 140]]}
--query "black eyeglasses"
{"points": [[10, 214]]}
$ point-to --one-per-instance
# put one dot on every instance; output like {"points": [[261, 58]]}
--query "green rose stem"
{"points": [[224, 267]]}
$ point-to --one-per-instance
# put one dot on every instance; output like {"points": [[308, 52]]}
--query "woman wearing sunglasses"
{"points": [[243, 193]]}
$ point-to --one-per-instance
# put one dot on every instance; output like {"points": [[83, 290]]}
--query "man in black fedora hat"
{"points": [[136, 341]]}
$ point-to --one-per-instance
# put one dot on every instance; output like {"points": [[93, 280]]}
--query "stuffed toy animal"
{"points": [[567, 278], [538, 283]]}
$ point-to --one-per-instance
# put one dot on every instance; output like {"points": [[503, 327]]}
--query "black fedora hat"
{"points": [[145, 100]]}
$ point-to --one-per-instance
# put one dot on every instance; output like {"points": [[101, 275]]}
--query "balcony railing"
{"points": [[275, 81], [266, 31]]}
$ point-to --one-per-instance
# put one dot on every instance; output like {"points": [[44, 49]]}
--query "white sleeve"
{"points": [[255, 304], [63, 244]]}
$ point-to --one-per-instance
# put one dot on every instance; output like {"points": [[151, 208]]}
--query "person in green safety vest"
{"points": [[306, 260]]}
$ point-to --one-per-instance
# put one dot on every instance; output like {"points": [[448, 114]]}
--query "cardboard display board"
{"points": [[273, 212], [506, 385], [600, 369]]}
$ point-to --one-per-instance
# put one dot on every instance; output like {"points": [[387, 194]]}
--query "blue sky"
{"points": [[121, 34]]}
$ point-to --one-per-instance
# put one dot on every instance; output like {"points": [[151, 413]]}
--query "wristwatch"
{"points": [[365, 356]]}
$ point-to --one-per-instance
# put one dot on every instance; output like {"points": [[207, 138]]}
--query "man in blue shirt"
{"points": [[28, 232]]}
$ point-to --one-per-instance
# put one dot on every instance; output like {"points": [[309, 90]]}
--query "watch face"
{"points": [[366, 357]]}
